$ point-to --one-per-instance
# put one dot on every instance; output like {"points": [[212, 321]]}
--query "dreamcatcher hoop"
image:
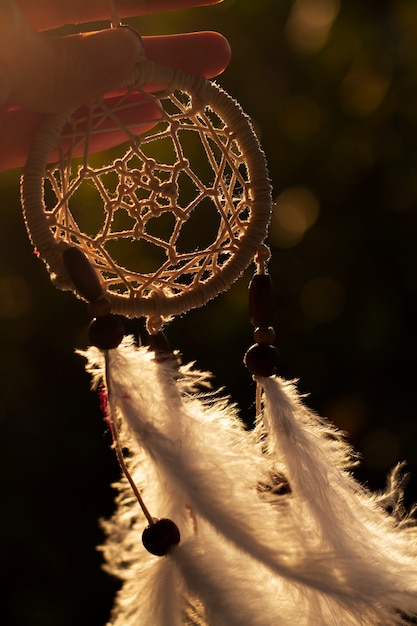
{"points": [[147, 188]]}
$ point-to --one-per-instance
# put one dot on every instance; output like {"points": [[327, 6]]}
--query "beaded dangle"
{"points": [[258, 527], [262, 359]]}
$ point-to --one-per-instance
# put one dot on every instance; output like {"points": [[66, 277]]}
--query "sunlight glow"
{"points": [[309, 24]]}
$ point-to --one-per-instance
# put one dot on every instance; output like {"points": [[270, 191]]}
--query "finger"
{"points": [[62, 73], [205, 53], [17, 129], [45, 73], [44, 14], [139, 115], [96, 129], [52, 74]]}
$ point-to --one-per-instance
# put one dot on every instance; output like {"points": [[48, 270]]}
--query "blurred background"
{"points": [[331, 86]]}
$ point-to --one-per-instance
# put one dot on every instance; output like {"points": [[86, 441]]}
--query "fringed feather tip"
{"points": [[274, 528]]}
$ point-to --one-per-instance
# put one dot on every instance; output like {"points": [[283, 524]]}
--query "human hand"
{"points": [[40, 73]]}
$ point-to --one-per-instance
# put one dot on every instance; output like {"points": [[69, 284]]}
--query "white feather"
{"points": [[205, 453], [326, 554], [348, 518]]}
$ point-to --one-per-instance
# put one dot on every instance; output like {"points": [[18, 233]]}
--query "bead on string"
{"points": [[106, 330], [262, 358]]}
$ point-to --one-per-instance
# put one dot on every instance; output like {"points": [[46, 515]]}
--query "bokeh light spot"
{"points": [[309, 24], [296, 211], [363, 90]]}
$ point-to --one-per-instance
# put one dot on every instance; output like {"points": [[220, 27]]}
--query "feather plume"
{"points": [[348, 518], [255, 550]]}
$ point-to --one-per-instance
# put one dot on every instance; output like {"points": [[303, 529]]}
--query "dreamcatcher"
{"points": [[257, 528]]}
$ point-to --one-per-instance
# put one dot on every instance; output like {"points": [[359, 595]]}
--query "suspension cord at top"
{"points": [[114, 16]]}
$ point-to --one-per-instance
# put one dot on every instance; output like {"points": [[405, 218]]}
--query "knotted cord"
{"points": [[173, 214]]}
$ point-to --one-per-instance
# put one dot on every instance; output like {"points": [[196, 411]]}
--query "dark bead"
{"points": [[106, 332], [161, 536], [264, 335], [101, 306], [262, 360], [261, 300], [82, 274]]}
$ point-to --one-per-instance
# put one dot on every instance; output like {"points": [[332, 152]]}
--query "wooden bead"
{"points": [[106, 332], [160, 537], [82, 274], [262, 360], [261, 300], [264, 335], [100, 307]]}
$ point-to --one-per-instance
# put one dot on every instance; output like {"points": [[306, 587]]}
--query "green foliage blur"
{"points": [[331, 86]]}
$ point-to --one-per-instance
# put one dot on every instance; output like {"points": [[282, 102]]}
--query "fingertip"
{"points": [[205, 53], [222, 52]]}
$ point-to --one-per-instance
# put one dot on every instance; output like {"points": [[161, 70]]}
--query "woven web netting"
{"points": [[172, 214]]}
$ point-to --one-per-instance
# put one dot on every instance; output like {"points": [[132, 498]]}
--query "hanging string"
{"points": [[111, 416], [106, 332], [114, 16]]}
